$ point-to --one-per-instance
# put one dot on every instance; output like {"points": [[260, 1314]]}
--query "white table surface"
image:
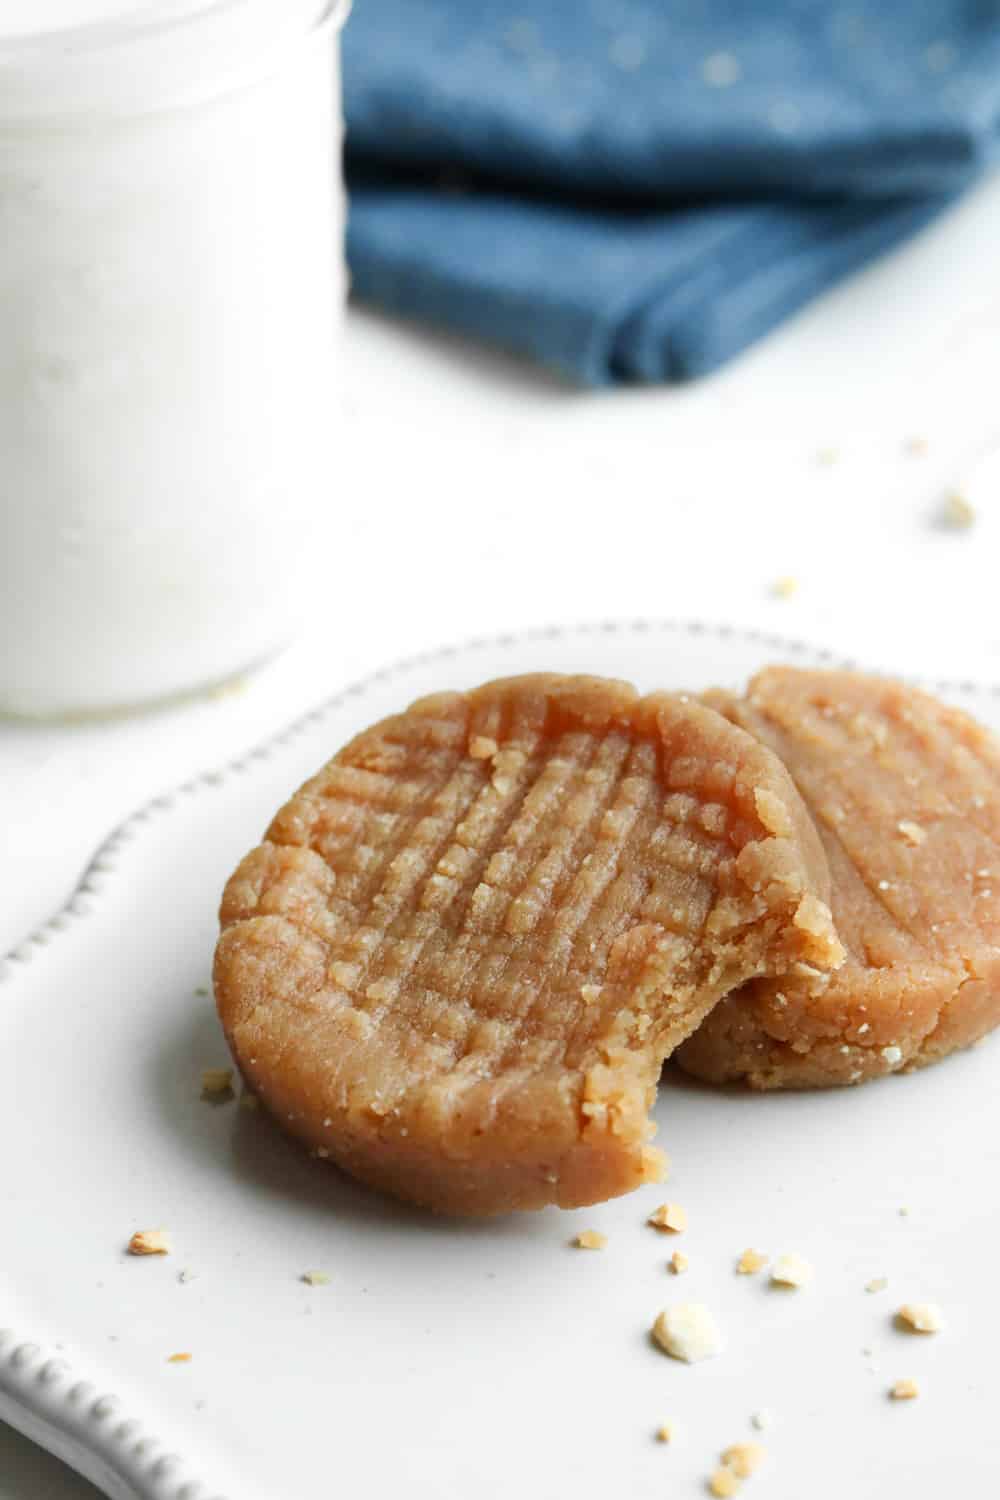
{"points": [[478, 496]]}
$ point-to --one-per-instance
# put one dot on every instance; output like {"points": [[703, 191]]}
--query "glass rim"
{"points": [[78, 40]]}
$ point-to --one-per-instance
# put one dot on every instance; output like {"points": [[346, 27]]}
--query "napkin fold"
{"points": [[634, 190]]}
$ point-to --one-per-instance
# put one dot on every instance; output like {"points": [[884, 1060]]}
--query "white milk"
{"points": [[171, 285]]}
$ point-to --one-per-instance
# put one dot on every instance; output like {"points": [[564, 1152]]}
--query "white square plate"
{"points": [[445, 1360]]}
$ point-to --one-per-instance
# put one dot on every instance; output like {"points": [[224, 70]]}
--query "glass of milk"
{"points": [[171, 289]]}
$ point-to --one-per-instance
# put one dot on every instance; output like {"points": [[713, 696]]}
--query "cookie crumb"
{"points": [[315, 1278], [912, 832], [958, 512], [687, 1331], [678, 1263], [904, 1390], [761, 1419], [185, 1276], [785, 588], [179, 1359], [481, 747], [671, 1218], [721, 70], [827, 457], [920, 1317], [792, 1271], [877, 1284], [743, 1458], [723, 1483], [590, 1239], [216, 1083], [149, 1242], [904, 1212], [665, 1434], [750, 1262]]}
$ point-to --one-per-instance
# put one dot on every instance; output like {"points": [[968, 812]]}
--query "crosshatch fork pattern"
{"points": [[511, 905]]}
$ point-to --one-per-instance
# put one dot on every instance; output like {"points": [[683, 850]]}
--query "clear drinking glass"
{"points": [[171, 291]]}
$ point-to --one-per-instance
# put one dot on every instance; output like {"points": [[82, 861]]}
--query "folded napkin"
{"points": [[633, 190]]}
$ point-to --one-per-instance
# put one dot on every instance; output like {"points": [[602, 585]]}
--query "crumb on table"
{"points": [[877, 1284], [743, 1458], [179, 1359], [958, 512], [590, 1239], [315, 1278], [761, 1419], [665, 1433], [149, 1242], [904, 1390], [678, 1263], [723, 1483]]}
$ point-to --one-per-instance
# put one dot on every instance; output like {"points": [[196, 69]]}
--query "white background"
{"points": [[478, 496]]}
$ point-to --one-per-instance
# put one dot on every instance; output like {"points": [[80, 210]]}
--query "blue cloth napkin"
{"points": [[634, 190]]}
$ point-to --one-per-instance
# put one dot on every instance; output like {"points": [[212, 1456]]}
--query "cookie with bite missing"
{"points": [[460, 956]]}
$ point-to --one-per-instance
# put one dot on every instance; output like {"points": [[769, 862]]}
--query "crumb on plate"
{"points": [[590, 1239], [669, 1217], [750, 1262], [678, 1263], [687, 1331], [920, 1317], [216, 1082], [791, 1270], [904, 1390]]}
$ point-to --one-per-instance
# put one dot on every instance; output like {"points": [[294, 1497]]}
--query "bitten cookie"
{"points": [[459, 958]]}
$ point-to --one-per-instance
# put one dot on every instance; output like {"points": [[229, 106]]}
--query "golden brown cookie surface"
{"points": [[906, 795], [459, 958]]}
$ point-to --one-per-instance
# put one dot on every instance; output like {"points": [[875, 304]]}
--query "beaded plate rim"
{"points": [[40, 1394]]}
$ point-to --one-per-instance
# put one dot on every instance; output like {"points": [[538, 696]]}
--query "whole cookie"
{"points": [[459, 958], [906, 795]]}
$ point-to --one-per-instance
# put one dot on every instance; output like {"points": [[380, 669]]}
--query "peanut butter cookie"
{"points": [[458, 960], [905, 793]]}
